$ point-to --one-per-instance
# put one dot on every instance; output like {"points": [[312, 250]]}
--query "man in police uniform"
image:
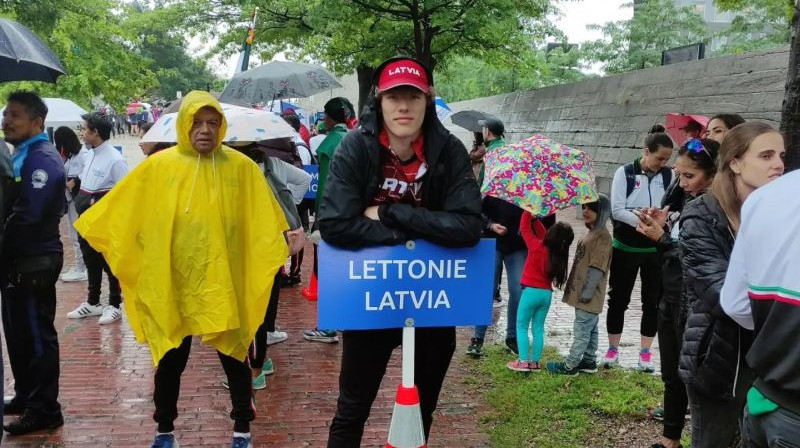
{"points": [[30, 264]]}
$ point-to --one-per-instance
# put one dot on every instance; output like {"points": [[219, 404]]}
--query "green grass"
{"points": [[554, 411]]}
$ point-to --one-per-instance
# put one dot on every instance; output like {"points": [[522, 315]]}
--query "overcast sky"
{"points": [[577, 14], [574, 18]]}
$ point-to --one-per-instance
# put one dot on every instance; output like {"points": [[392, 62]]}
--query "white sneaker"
{"points": [[110, 314], [85, 310], [74, 275], [273, 337]]}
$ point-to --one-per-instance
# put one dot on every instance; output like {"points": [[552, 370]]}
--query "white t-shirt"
{"points": [[315, 142], [302, 150]]}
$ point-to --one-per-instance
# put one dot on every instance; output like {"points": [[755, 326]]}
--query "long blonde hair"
{"points": [[735, 144]]}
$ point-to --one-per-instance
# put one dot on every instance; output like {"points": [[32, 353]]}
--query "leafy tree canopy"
{"points": [[758, 24], [356, 35], [637, 43], [93, 43], [467, 77]]}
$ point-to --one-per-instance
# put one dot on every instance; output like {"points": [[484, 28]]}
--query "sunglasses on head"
{"points": [[696, 146]]}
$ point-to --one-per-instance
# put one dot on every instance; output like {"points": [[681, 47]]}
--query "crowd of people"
{"points": [[194, 240]]}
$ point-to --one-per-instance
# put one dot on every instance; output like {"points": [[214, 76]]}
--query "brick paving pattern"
{"points": [[107, 381]]}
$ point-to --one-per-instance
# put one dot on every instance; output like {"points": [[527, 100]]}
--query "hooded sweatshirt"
{"points": [[593, 254], [195, 240]]}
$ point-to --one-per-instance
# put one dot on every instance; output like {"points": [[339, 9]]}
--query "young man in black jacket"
{"points": [[400, 176]]}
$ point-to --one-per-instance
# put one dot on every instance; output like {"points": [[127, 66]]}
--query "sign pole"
{"points": [[408, 354]]}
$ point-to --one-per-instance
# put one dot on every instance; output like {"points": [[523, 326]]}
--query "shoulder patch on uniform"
{"points": [[39, 178]]}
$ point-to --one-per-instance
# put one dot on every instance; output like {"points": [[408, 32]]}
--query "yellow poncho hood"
{"points": [[195, 240]]}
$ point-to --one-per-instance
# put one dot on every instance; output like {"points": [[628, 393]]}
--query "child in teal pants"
{"points": [[545, 266]]}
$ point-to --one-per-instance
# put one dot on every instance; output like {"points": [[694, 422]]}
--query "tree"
{"points": [[355, 35], [164, 46], [758, 24], [637, 43], [467, 77], [790, 118], [92, 43]]}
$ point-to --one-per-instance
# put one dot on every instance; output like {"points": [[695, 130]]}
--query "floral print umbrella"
{"points": [[539, 175]]}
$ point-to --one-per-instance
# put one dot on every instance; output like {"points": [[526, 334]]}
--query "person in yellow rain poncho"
{"points": [[195, 236]]}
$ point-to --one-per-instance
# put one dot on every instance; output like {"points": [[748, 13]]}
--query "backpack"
{"points": [[630, 179], [284, 196], [308, 150]]}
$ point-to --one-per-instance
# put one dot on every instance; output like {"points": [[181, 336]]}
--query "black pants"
{"points": [[779, 428], [670, 337], [297, 263], [624, 268], [95, 266], [365, 355], [168, 384], [258, 349], [315, 260], [716, 422], [32, 341]]}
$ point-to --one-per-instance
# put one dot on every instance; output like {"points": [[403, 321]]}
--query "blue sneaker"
{"points": [[164, 441], [242, 442]]}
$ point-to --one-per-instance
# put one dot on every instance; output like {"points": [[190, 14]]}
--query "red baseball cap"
{"points": [[403, 72]]}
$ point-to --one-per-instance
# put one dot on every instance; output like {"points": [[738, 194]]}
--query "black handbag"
{"points": [[36, 271]]}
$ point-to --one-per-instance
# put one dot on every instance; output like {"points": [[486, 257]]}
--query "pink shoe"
{"points": [[519, 366], [611, 358], [645, 363]]}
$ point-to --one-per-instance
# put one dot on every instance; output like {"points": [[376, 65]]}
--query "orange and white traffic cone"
{"points": [[406, 430], [310, 292]]}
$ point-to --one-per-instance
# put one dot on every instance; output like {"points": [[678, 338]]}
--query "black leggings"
{"points": [[95, 266], [365, 355], [258, 348], [624, 268], [168, 384], [670, 337]]}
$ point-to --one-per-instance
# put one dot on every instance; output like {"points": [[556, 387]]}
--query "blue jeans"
{"points": [[584, 342], [513, 262], [780, 427]]}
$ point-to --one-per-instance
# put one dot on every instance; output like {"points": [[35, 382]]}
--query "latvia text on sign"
{"points": [[381, 287]]}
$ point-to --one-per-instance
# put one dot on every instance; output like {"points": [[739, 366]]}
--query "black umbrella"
{"points": [[468, 119], [23, 57], [278, 80]]}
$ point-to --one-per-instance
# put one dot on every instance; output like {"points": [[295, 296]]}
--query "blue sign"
{"points": [[313, 170], [381, 287]]}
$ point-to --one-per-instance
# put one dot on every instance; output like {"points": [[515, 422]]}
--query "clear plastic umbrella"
{"points": [[244, 125]]}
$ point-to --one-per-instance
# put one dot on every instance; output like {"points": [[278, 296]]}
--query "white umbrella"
{"points": [[61, 112], [244, 125]]}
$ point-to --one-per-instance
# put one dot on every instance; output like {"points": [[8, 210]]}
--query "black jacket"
{"points": [[712, 355], [671, 268], [498, 211], [451, 203]]}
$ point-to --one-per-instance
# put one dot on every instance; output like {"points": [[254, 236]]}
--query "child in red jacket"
{"points": [[545, 266]]}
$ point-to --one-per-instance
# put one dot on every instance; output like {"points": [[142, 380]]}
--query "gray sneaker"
{"points": [[475, 348], [327, 336]]}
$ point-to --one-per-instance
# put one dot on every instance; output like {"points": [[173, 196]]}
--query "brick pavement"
{"points": [[106, 382]]}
